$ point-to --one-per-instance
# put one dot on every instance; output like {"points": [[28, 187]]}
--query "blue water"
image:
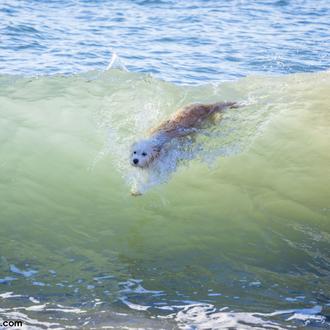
{"points": [[189, 42]]}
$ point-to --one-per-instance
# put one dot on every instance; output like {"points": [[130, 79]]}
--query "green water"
{"points": [[241, 220]]}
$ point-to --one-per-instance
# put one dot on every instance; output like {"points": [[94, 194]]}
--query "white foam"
{"points": [[133, 306], [205, 316], [34, 300], [7, 295], [36, 308]]}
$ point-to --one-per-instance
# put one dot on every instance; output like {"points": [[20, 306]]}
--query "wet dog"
{"points": [[182, 123]]}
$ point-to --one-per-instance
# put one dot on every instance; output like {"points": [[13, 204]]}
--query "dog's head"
{"points": [[143, 153]]}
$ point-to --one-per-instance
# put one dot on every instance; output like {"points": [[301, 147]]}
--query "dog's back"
{"points": [[191, 116]]}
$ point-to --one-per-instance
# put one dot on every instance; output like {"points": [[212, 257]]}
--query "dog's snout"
{"points": [[135, 160]]}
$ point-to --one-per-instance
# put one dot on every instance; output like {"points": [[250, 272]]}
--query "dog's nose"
{"points": [[135, 160]]}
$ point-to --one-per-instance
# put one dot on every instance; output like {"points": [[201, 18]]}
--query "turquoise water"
{"points": [[232, 230]]}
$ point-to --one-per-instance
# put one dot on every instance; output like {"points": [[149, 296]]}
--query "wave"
{"points": [[241, 195], [116, 108]]}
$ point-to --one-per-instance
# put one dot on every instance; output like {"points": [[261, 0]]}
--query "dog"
{"points": [[184, 122]]}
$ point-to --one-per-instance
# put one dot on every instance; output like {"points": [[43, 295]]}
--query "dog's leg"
{"points": [[135, 193]]}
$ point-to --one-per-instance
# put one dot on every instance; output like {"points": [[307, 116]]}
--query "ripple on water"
{"points": [[297, 35]]}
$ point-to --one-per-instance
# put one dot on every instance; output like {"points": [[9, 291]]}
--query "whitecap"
{"points": [[132, 305]]}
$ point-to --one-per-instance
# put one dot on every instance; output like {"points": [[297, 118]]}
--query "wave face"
{"points": [[232, 229]]}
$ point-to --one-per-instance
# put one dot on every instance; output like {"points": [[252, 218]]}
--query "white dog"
{"points": [[182, 123]]}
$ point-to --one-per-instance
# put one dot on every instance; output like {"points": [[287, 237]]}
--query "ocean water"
{"points": [[232, 230], [186, 42]]}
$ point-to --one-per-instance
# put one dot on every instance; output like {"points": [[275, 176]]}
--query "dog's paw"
{"points": [[135, 193]]}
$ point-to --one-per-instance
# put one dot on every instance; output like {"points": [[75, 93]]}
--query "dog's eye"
{"points": [[144, 154], [134, 152]]}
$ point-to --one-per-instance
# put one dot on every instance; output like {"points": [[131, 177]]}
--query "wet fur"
{"points": [[191, 117], [182, 123]]}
